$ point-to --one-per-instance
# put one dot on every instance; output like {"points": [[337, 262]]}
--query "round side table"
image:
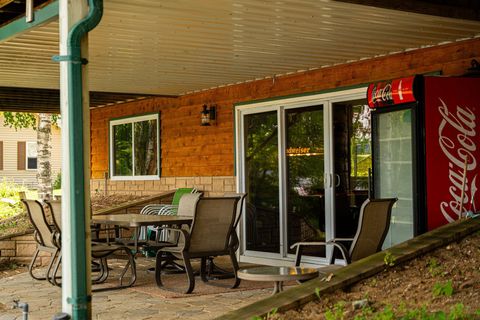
{"points": [[277, 274]]}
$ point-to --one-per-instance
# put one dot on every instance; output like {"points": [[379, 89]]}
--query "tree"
{"points": [[42, 123]]}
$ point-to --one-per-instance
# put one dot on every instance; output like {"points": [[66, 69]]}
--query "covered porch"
{"points": [[165, 61]]}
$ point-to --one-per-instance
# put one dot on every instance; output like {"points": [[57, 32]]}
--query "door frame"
{"points": [[279, 105]]}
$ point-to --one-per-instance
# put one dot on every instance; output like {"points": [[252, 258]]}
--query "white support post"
{"points": [[70, 12]]}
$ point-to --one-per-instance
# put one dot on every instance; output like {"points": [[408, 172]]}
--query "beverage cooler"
{"points": [[425, 150]]}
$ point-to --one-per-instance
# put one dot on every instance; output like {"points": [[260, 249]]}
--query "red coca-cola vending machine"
{"points": [[425, 150]]}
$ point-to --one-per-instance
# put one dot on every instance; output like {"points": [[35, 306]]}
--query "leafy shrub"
{"points": [[57, 183], [389, 259], [434, 267], [10, 204], [337, 312], [443, 289]]}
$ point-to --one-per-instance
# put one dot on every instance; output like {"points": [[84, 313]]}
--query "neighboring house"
{"points": [[18, 154]]}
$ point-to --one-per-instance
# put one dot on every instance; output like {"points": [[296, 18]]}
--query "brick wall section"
{"points": [[189, 149], [20, 248], [211, 186]]}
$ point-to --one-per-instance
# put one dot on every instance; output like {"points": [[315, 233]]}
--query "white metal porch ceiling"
{"points": [[176, 46]]}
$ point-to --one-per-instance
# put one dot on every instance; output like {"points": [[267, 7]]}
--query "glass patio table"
{"points": [[132, 220]]}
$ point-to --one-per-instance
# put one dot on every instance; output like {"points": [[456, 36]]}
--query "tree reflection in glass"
{"points": [[262, 182], [305, 174], [146, 148], [122, 137]]}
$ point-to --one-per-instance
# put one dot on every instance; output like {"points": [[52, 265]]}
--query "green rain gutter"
{"points": [[80, 299]]}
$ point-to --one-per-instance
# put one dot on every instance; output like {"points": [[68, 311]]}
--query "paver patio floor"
{"points": [[143, 301]]}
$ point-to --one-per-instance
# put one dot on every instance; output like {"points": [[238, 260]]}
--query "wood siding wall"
{"points": [[189, 149], [13, 159]]}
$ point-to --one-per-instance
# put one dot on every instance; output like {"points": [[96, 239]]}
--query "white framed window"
{"points": [[135, 148], [31, 156]]}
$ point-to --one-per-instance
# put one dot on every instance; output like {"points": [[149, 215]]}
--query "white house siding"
{"points": [[10, 138]]}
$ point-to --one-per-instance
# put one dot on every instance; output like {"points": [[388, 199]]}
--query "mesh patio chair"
{"points": [[373, 225], [213, 271], [46, 237], [99, 251], [208, 236]]}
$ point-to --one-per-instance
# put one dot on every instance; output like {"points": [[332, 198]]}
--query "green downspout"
{"points": [[80, 299]]}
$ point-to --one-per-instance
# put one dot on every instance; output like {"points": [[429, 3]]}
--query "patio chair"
{"points": [[208, 236], [213, 271], [46, 237], [373, 224], [99, 251]]}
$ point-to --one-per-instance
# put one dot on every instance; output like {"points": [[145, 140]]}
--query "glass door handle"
{"points": [[337, 182]]}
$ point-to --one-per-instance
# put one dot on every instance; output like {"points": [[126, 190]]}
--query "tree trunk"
{"points": [[44, 170]]}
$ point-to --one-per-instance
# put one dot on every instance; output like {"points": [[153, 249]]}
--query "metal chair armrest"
{"points": [[299, 246], [182, 233], [341, 239]]}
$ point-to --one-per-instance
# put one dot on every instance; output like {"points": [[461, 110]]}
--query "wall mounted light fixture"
{"points": [[208, 115]]}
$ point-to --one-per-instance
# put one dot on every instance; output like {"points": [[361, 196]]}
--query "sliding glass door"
{"points": [[297, 165], [283, 166]]}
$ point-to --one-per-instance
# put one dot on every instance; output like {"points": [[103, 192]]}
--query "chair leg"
{"points": [[189, 270], [103, 273], [50, 265], [233, 257], [32, 264], [158, 269], [96, 268], [55, 271], [133, 273], [203, 269]]}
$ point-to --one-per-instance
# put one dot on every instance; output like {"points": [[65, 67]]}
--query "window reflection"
{"points": [[305, 171], [135, 146], [262, 182]]}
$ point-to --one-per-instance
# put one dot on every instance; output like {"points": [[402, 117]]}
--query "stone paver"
{"points": [[45, 300]]}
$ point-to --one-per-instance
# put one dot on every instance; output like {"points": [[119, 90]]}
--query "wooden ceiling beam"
{"points": [[48, 100], [458, 9]]}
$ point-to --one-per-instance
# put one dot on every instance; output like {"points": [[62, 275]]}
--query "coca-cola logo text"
{"points": [[382, 93], [459, 148]]}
